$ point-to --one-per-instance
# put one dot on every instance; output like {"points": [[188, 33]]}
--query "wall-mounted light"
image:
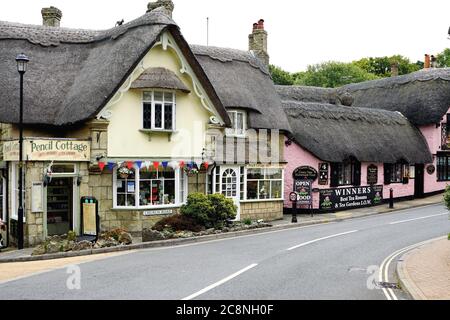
{"points": [[79, 179]]}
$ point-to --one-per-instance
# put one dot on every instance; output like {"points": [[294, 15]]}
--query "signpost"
{"points": [[293, 198], [89, 217]]}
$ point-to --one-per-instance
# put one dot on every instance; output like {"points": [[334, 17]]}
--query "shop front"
{"points": [[54, 170]]}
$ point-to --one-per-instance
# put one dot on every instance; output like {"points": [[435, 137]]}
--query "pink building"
{"points": [[358, 142]]}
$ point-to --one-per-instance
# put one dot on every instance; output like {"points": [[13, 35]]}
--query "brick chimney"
{"points": [[394, 69], [427, 64], [51, 17], [167, 4], [257, 42]]}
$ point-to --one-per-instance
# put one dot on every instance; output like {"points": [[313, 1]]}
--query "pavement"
{"points": [[12, 255], [424, 272], [339, 260]]}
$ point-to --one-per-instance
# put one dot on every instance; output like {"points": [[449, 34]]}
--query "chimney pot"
{"points": [[427, 64], [261, 24], [167, 4], [51, 17]]}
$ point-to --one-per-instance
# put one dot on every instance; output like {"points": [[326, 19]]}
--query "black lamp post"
{"points": [[22, 62]]}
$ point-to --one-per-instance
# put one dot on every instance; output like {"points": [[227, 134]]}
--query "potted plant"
{"points": [[191, 171], [124, 172]]}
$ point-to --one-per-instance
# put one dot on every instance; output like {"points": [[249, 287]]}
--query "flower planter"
{"points": [[123, 175]]}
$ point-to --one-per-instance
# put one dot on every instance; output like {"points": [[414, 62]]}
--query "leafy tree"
{"points": [[280, 76], [443, 58], [381, 66], [333, 74]]}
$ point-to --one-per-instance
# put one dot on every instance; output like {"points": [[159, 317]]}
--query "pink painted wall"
{"points": [[296, 157], [433, 138]]}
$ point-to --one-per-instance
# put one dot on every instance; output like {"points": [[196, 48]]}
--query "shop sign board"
{"points": [[372, 174], [303, 188], [351, 197], [48, 150], [89, 216], [323, 174], [305, 173]]}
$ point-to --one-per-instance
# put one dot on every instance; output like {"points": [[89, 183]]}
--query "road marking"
{"points": [[215, 285], [421, 218], [384, 268], [320, 239]]}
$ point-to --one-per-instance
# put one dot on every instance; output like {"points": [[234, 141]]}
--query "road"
{"points": [[328, 261]]}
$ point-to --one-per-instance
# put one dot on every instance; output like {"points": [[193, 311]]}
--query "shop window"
{"points": [[238, 121], [346, 173], [264, 184], [396, 173], [159, 110], [443, 167], [149, 188]]}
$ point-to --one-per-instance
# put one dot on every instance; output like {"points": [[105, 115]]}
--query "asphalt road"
{"points": [[327, 261]]}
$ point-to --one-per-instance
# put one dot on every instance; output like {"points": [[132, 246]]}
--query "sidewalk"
{"points": [[425, 271], [303, 220]]}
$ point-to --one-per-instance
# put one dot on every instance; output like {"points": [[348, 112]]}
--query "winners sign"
{"points": [[351, 197]]}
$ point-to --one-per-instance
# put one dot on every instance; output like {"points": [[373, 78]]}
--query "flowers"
{"points": [[191, 170], [124, 172]]}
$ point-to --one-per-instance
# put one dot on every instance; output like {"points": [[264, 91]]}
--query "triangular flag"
{"points": [[206, 165], [198, 163], [165, 164], [101, 165], [120, 163], [181, 164], [111, 165], [138, 164], [156, 164], [147, 164], [173, 164], [130, 164]]}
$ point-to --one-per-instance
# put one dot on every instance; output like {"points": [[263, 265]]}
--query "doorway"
{"points": [[60, 206], [230, 185], [419, 181]]}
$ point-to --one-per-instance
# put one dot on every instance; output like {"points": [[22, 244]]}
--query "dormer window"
{"points": [[159, 110], [239, 123]]}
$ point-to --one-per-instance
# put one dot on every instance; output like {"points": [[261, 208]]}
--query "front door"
{"points": [[230, 185], [59, 206], [419, 180]]}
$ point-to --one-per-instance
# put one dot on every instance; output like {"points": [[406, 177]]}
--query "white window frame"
{"points": [[14, 188], [181, 185], [3, 201], [163, 104], [264, 179], [237, 132]]}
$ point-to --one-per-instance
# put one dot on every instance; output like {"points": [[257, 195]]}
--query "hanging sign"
{"points": [[349, 198], [48, 150], [372, 174], [303, 188], [323, 174], [305, 173], [431, 169]]}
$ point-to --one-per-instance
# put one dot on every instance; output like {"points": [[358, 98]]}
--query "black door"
{"points": [[419, 181]]}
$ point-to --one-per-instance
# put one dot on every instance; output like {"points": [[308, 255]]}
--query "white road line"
{"points": [[192, 296], [421, 218], [320, 239]]}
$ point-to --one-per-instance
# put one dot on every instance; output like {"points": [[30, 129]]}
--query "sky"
{"points": [[301, 32]]}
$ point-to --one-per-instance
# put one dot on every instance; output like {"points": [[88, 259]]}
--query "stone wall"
{"points": [[265, 210]]}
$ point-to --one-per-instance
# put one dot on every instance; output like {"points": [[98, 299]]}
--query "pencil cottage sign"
{"points": [[48, 150]]}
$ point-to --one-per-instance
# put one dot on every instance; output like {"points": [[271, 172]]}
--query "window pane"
{"points": [[276, 190], [273, 174], [167, 173], [168, 96], [158, 115], [169, 192], [147, 115], [264, 189], [63, 168], [125, 187], [147, 96], [253, 174], [168, 116], [252, 190], [158, 96], [240, 123]]}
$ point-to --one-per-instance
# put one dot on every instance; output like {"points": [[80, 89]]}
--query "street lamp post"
{"points": [[22, 62]]}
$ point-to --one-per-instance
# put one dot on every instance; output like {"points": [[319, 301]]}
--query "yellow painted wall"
{"points": [[126, 141]]}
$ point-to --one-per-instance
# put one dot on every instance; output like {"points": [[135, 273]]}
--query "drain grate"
{"points": [[388, 285]]}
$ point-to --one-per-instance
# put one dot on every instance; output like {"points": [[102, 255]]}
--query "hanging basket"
{"points": [[123, 175]]}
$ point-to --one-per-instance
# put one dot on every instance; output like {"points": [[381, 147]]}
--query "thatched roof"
{"points": [[161, 78], [72, 74], [334, 133], [423, 97], [243, 81]]}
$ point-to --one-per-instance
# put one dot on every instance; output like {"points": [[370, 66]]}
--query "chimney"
{"points": [[257, 42], [427, 64], [394, 69], [51, 17], [167, 4]]}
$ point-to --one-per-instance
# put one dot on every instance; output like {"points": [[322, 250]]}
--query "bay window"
{"points": [[147, 188], [264, 184], [159, 110]]}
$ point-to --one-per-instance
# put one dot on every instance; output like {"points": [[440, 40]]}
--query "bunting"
{"points": [[146, 164]]}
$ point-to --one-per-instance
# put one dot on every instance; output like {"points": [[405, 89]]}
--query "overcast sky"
{"points": [[300, 32]]}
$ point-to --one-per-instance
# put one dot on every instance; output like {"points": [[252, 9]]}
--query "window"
{"points": [[239, 123], [159, 110], [15, 191], [346, 173], [149, 188], [443, 167], [263, 184], [2, 198], [229, 183], [396, 173]]}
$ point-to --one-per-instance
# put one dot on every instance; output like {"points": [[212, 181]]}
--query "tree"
{"points": [[381, 66], [280, 76], [333, 74], [443, 58]]}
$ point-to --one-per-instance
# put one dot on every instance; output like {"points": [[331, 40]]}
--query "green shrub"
{"points": [[211, 211], [247, 221], [447, 197], [178, 222], [71, 236], [114, 233]]}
